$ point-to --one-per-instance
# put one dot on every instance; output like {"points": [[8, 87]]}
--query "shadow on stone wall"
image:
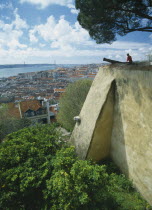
{"points": [[118, 147], [100, 142]]}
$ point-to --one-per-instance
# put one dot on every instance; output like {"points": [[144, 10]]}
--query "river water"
{"points": [[13, 70]]}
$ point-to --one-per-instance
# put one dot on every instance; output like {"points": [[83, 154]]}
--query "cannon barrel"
{"points": [[112, 61]]}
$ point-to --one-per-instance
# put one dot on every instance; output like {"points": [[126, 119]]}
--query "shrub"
{"points": [[72, 101], [26, 163], [40, 171], [81, 184]]}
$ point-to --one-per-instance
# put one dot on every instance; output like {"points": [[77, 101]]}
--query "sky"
{"points": [[47, 31]]}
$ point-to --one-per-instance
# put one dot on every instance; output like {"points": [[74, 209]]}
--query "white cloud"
{"points": [[124, 45], [60, 34], [68, 53], [5, 17], [71, 6], [73, 40], [32, 36], [7, 5], [45, 30], [74, 11], [42, 45], [42, 4], [45, 3], [11, 33], [19, 23], [61, 40], [14, 44]]}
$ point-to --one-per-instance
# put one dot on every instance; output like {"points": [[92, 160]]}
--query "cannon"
{"points": [[113, 61]]}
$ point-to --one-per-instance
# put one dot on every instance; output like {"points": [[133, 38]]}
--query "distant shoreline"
{"points": [[15, 69], [34, 65], [20, 65]]}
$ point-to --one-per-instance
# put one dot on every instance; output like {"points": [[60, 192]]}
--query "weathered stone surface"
{"points": [[130, 142], [83, 134], [101, 139]]}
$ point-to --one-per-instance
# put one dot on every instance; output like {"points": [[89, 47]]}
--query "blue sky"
{"points": [[47, 31]]}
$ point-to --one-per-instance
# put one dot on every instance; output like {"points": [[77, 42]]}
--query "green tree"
{"points": [[104, 19], [72, 102], [9, 124], [26, 163], [40, 171]]}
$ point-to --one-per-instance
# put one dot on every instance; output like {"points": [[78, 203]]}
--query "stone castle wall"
{"points": [[116, 121]]}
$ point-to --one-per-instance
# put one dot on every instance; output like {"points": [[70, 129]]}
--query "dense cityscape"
{"points": [[35, 95], [45, 84]]}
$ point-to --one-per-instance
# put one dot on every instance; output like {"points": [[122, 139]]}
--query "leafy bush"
{"points": [[40, 171], [83, 185], [79, 184], [72, 101], [26, 163]]}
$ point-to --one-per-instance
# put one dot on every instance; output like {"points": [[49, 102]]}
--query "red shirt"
{"points": [[129, 59]]}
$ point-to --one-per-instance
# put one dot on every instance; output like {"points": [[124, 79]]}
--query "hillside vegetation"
{"points": [[72, 101], [39, 170]]}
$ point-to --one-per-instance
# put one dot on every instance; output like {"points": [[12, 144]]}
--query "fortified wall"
{"points": [[116, 121]]}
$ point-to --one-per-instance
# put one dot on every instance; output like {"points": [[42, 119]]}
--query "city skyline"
{"points": [[47, 31]]}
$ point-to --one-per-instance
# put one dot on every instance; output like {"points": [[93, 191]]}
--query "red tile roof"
{"points": [[13, 110], [31, 104], [60, 90]]}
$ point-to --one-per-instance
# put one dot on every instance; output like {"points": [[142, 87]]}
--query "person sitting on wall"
{"points": [[129, 58]]}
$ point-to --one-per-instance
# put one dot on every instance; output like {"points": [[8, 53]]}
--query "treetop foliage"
{"points": [[105, 19], [72, 101]]}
